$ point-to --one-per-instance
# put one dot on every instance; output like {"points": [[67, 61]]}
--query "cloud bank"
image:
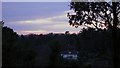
{"points": [[55, 24]]}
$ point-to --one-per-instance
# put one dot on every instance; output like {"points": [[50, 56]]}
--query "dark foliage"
{"points": [[43, 50], [98, 14]]}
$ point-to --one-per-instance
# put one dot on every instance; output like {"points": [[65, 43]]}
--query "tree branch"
{"points": [[118, 12], [118, 7], [95, 26]]}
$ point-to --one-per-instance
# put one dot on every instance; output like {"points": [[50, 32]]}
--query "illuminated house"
{"points": [[69, 55]]}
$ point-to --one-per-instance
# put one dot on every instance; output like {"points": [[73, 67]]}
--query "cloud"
{"points": [[25, 32], [43, 21], [58, 23]]}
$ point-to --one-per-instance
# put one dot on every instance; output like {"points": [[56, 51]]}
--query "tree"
{"points": [[67, 32], [98, 14], [95, 13], [8, 48]]}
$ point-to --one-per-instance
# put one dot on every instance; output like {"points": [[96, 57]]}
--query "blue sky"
{"points": [[37, 17]]}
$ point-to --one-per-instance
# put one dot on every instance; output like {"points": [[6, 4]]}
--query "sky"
{"points": [[55, 0], [37, 17], [36, 0]]}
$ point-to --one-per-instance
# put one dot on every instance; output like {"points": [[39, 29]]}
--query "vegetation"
{"points": [[99, 15], [33, 50]]}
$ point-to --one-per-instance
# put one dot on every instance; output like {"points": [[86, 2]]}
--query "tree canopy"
{"points": [[98, 14]]}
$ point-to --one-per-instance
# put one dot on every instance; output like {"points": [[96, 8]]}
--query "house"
{"points": [[69, 55]]}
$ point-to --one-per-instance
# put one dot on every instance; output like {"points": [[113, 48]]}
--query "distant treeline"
{"points": [[95, 47]]}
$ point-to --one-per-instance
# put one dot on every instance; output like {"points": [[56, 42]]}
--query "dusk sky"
{"points": [[37, 17]]}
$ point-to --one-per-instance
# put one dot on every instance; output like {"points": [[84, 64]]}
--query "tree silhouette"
{"points": [[32, 50], [98, 14], [94, 13], [8, 49]]}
